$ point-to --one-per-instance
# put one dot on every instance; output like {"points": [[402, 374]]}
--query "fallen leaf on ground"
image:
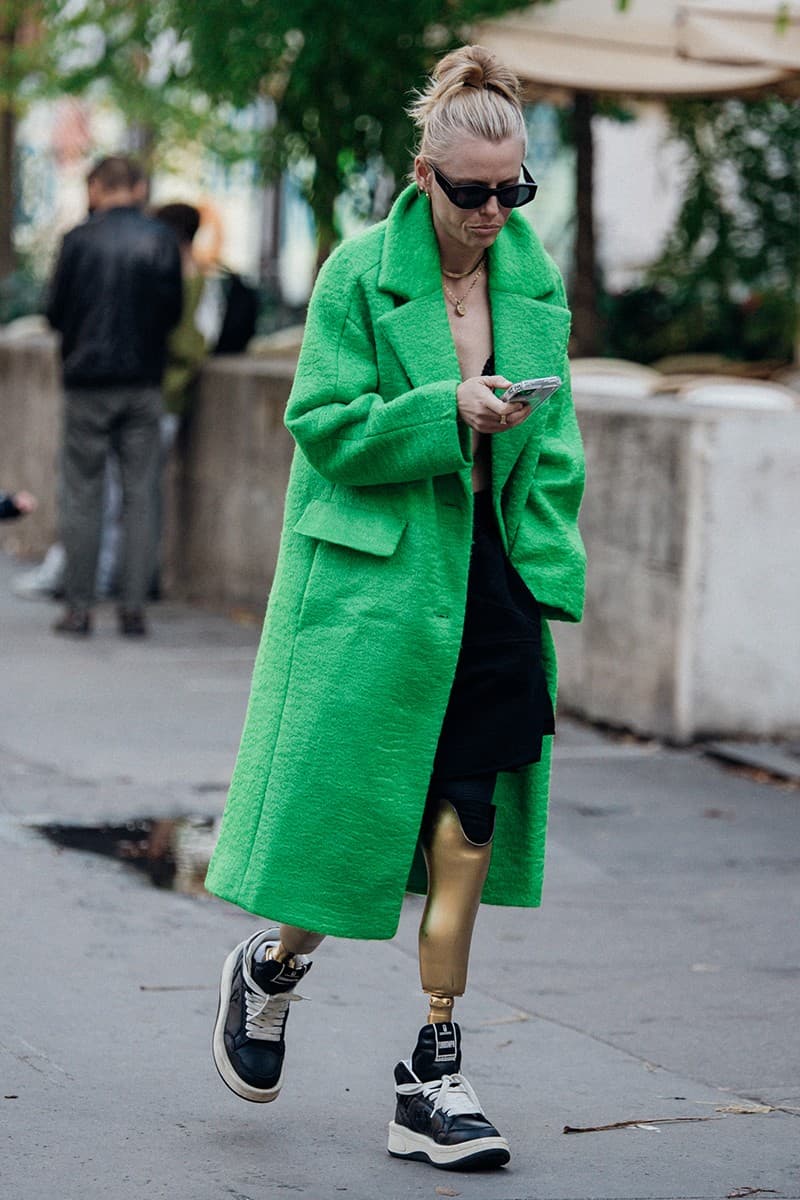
{"points": [[744, 1109], [750, 1109], [446, 1191], [244, 616], [641, 1123], [176, 987], [518, 1016]]}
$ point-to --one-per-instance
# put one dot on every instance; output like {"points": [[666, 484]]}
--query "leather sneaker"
{"points": [[132, 622], [439, 1118], [74, 620], [249, 1033]]}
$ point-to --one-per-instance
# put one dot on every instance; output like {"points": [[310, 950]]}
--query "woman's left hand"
{"points": [[479, 408]]}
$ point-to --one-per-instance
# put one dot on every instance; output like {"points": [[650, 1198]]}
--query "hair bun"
{"points": [[472, 67], [468, 94]]}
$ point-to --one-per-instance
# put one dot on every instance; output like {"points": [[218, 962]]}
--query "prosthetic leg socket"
{"points": [[457, 870]]}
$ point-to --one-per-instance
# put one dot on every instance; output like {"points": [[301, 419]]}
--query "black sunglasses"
{"points": [[475, 195]]}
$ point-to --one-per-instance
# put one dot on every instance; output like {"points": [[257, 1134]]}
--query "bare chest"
{"points": [[472, 332]]}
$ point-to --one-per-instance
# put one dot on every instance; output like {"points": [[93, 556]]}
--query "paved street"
{"points": [[658, 982]]}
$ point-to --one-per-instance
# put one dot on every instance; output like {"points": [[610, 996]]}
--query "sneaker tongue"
{"points": [[437, 1052], [275, 977]]}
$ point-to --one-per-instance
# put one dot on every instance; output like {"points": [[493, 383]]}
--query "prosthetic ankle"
{"points": [[457, 867], [294, 940]]}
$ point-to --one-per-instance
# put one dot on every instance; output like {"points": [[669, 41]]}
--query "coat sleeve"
{"points": [[548, 549], [59, 287], [169, 279], [348, 432]]}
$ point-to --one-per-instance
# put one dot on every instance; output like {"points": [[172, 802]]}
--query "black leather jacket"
{"points": [[115, 295]]}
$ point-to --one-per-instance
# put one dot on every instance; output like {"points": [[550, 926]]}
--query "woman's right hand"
{"points": [[479, 408]]}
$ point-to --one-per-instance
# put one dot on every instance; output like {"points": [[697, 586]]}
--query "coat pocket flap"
{"points": [[346, 525]]}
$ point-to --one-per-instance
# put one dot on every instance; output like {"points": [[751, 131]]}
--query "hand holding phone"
{"points": [[532, 391]]}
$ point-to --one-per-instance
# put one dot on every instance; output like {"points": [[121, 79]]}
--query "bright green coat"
{"points": [[365, 616]]}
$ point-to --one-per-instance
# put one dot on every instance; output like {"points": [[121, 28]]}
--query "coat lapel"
{"points": [[419, 334], [416, 327], [530, 341], [530, 330]]}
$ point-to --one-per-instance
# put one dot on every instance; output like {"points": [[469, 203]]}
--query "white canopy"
{"points": [[590, 45], [762, 32]]}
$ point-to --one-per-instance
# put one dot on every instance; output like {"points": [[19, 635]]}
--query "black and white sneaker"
{"points": [[438, 1117], [254, 998]]}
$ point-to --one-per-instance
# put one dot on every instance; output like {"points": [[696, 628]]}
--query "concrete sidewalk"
{"points": [[658, 981]]}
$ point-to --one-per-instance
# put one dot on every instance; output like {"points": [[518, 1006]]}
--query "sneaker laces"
{"points": [[452, 1095], [266, 1014]]}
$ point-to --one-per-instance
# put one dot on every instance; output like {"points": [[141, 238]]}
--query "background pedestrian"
{"points": [[186, 351], [115, 295]]}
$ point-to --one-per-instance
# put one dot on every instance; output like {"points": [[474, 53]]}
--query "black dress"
{"points": [[499, 707]]}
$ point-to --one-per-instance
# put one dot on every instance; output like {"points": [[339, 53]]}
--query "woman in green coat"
{"points": [[397, 734]]}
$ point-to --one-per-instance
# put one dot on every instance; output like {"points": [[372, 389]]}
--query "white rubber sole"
{"points": [[221, 1060], [482, 1152]]}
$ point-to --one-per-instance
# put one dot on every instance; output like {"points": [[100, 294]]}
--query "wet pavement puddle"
{"points": [[172, 852]]}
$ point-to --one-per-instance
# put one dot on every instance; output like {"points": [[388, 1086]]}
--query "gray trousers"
{"points": [[96, 420]]}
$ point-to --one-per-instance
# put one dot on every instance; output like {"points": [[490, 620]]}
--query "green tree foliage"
{"points": [[122, 50], [133, 54], [339, 76], [23, 56], [728, 278]]}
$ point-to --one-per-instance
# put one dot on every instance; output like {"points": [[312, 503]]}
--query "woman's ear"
{"points": [[422, 175]]}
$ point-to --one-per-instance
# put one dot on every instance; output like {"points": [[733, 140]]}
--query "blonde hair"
{"points": [[469, 94]]}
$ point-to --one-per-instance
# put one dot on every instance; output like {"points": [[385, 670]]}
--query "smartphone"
{"points": [[532, 391]]}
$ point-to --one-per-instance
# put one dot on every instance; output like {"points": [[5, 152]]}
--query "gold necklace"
{"points": [[460, 302], [462, 274]]}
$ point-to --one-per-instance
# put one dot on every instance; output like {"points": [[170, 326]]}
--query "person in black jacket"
{"points": [[115, 294]]}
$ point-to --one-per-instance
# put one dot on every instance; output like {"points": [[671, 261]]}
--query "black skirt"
{"points": [[499, 708]]}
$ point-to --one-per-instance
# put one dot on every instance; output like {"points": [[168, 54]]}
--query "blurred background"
{"points": [[659, 981], [289, 130], [664, 136]]}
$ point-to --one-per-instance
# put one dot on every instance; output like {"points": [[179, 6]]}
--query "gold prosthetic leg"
{"points": [[457, 870], [294, 940]]}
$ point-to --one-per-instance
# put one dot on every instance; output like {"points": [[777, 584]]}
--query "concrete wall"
{"points": [[229, 483], [30, 434], [746, 635], [691, 523]]}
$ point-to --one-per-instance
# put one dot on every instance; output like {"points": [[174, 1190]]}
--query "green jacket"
{"points": [[365, 617], [186, 350]]}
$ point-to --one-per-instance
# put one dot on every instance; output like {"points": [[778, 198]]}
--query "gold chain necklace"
{"points": [[462, 274], [460, 302]]}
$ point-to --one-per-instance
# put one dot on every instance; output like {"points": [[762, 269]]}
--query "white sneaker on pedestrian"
{"points": [[46, 580]]}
